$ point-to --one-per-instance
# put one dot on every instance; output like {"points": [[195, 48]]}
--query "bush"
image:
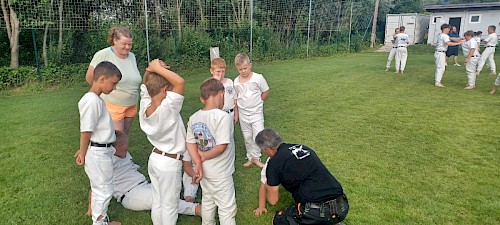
{"points": [[52, 75]]}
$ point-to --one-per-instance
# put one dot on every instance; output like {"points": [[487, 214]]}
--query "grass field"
{"points": [[405, 151]]}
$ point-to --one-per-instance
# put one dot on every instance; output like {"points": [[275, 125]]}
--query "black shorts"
{"points": [[451, 51]]}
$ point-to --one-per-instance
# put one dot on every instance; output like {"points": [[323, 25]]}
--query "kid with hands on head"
{"points": [[159, 117], [97, 133], [209, 144]]}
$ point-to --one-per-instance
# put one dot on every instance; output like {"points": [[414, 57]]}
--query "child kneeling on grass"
{"points": [[97, 133]]}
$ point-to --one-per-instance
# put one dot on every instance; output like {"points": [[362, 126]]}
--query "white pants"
{"points": [[392, 53], [488, 54], [218, 195], [190, 189], [401, 56], [440, 59], [250, 127], [99, 169], [141, 198], [166, 179], [470, 69]]}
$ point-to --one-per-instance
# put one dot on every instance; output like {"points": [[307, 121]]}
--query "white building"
{"points": [[415, 26], [473, 16]]}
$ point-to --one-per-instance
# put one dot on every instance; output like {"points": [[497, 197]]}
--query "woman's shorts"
{"points": [[119, 112], [451, 51]]}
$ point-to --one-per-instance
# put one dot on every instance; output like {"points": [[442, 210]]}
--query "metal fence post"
{"points": [[308, 28], [147, 28]]}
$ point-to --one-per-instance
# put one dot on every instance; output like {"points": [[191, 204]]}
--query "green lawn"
{"points": [[405, 151]]}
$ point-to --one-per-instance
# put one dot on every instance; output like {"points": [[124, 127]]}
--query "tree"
{"points": [[407, 6], [12, 26]]}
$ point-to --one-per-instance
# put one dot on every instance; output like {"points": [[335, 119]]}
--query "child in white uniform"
{"points": [[189, 184], [251, 91], [489, 51], [131, 188], [394, 49], [208, 141], [402, 41], [160, 119], [442, 44], [97, 133], [472, 55]]}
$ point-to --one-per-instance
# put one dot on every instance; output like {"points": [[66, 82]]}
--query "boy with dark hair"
{"points": [[209, 144], [489, 51], [442, 44], [159, 117], [97, 133]]}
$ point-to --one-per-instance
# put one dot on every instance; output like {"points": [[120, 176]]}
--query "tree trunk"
{"points": [[179, 27], [12, 26], [60, 42], [45, 34], [157, 16], [202, 15]]}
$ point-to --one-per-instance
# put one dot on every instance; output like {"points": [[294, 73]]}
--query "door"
{"points": [[456, 21]]}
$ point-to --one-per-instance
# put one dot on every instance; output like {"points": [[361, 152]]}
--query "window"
{"points": [[475, 18], [436, 19]]}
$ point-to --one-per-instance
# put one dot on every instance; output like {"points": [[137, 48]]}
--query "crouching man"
{"points": [[319, 198]]}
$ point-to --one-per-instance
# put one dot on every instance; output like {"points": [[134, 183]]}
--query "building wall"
{"points": [[486, 18], [415, 25]]}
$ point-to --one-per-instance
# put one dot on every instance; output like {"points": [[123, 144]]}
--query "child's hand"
{"points": [[155, 65], [198, 173], [202, 155], [80, 159], [164, 65], [259, 211]]}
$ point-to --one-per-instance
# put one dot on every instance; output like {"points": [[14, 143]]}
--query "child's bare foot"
{"points": [[189, 199], [114, 223], [493, 91], [248, 163], [258, 163], [89, 212]]}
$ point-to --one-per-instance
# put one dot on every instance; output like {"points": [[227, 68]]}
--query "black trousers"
{"points": [[326, 213]]}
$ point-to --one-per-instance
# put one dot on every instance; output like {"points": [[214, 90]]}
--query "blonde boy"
{"points": [[471, 53], [209, 144], [97, 133], [159, 117], [251, 91]]}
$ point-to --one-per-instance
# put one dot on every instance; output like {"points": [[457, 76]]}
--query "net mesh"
{"points": [[284, 25]]}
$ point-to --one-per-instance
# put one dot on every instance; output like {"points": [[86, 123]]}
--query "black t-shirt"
{"points": [[299, 170]]}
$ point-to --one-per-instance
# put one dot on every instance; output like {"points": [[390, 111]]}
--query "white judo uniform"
{"points": [[402, 40], [488, 53], [440, 56], [470, 67]]}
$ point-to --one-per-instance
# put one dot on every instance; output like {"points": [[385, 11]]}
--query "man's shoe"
{"points": [[439, 85]]}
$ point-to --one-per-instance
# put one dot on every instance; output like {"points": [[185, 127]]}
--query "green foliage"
{"points": [[52, 75]]}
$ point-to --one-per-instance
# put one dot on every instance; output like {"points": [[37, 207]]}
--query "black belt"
{"points": [[123, 196], [230, 111], [440, 51], [401, 46], [95, 144], [490, 46], [475, 56], [394, 47]]}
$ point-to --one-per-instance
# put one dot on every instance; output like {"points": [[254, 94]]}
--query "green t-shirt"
{"points": [[127, 90]]}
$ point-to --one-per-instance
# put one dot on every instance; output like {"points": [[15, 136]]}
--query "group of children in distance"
{"points": [[209, 138], [474, 61]]}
